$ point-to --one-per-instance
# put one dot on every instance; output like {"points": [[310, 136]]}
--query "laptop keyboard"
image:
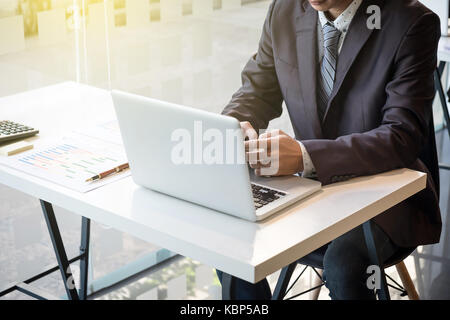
{"points": [[262, 196]]}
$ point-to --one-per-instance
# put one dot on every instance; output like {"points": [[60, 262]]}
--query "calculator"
{"points": [[11, 130]]}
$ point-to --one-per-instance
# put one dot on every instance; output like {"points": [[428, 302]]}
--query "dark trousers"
{"points": [[345, 268]]}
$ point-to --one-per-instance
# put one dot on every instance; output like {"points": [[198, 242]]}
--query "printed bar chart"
{"points": [[71, 161]]}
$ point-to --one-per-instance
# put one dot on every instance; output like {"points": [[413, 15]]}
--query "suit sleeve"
{"points": [[397, 142], [259, 99]]}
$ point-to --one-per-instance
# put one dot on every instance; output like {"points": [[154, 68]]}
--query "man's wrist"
{"points": [[300, 165], [308, 167]]}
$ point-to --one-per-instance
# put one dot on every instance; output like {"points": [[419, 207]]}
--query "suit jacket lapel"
{"points": [[306, 42], [357, 36]]}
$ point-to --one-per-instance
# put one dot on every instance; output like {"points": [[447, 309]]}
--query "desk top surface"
{"points": [[245, 249]]}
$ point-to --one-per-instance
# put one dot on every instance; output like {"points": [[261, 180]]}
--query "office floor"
{"points": [[194, 61]]}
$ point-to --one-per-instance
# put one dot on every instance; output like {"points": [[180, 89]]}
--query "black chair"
{"points": [[315, 261]]}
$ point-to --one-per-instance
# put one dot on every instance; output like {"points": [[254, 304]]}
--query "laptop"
{"points": [[199, 157]]}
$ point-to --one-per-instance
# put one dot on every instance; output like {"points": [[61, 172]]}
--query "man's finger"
{"points": [[264, 172], [259, 166], [248, 131], [253, 145], [258, 158], [268, 171], [270, 133]]}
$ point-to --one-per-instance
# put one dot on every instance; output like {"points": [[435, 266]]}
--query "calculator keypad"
{"points": [[9, 128]]}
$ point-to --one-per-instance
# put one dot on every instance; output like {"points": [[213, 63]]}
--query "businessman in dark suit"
{"points": [[359, 98]]}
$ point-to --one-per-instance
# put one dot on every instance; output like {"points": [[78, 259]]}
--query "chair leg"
{"points": [[406, 281], [317, 282]]}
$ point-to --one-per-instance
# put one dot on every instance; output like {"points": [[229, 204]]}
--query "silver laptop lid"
{"points": [[187, 153]]}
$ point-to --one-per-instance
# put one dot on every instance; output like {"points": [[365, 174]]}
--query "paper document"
{"points": [[70, 161], [108, 131]]}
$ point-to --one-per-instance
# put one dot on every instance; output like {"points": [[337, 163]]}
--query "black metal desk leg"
{"points": [[438, 84], [283, 281], [441, 67], [227, 286], [84, 261], [60, 252], [441, 93], [383, 292]]}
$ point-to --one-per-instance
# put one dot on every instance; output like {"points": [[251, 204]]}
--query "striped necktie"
{"points": [[328, 65]]}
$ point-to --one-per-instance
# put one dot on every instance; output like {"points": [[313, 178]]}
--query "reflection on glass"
{"points": [[51, 26], [183, 51], [11, 34], [137, 13]]}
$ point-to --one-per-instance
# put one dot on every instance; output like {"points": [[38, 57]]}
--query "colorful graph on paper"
{"points": [[71, 161]]}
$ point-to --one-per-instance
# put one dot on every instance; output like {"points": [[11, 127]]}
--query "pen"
{"points": [[107, 173]]}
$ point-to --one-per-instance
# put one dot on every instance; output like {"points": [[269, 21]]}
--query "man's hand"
{"points": [[248, 131], [273, 153]]}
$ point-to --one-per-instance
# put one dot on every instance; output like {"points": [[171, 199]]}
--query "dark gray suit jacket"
{"points": [[379, 116]]}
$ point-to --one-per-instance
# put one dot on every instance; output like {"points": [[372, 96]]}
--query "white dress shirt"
{"points": [[341, 23]]}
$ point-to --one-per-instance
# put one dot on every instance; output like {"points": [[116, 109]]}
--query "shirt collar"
{"points": [[345, 18]]}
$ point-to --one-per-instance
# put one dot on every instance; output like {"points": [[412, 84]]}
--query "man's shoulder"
{"points": [[405, 11], [396, 15], [406, 6], [288, 6], [402, 15], [283, 13], [398, 8]]}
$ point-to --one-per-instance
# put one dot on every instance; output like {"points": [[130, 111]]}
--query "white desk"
{"points": [[250, 251]]}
